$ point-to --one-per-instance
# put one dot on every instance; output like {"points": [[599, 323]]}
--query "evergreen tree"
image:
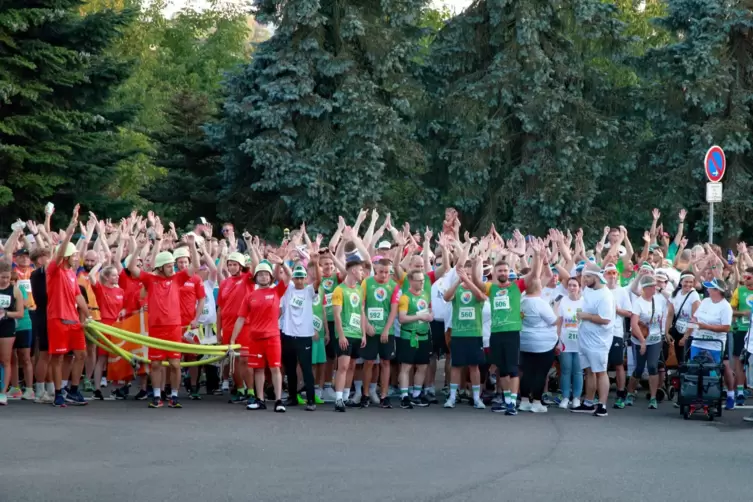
{"points": [[525, 123], [58, 137], [700, 96], [321, 122]]}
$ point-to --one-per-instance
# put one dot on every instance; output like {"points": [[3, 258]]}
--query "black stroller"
{"points": [[700, 383]]}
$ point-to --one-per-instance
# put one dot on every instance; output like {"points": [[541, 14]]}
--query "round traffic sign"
{"points": [[715, 164]]}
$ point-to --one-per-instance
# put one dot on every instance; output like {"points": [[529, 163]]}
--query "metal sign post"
{"points": [[715, 163]]}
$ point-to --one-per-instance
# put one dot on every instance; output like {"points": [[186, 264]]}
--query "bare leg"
{"points": [[277, 384], [384, 378]]}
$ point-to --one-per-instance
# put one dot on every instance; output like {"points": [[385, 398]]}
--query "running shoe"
{"points": [[88, 386], [98, 395], [730, 404], [3, 400], [300, 400], [28, 394], [328, 395], [499, 407], [310, 407], [350, 403], [498, 399], [547, 399], [575, 402], [525, 405], [44, 398], [14, 393], [431, 395], [255, 404], [564, 403], [479, 404], [279, 407], [141, 395], [365, 401], [340, 405], [103, 382], [601, 411], [237, 398], [76, 399], [538, 408], [217, 392], [511, 409], [584, 408], [630, 400], [374, 397], [318, 400], [421, 401], [749, 418], [748, 393], [740, 400], [59, 401], [174, 403], [121, 395], [195, 396], [405, 403], [558, 399], [156, 402], [385, 403], [619, 404], [450, 403], [652, 404]]}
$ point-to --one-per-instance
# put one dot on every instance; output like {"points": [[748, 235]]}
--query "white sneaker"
{"points": [[3, 400], [537, 407], [374, 397], [479, 404], [748, 419], [225, 385], [450, 403], [563, 404], [328, 395], [28, 394], [103, 382], [575, 403], [525, 405], [357, 398], [45, 398]]}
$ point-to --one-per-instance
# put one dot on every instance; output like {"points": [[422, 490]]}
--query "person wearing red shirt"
{"points": [[163, 303], [192, 298], [133, 301], [110, 298], [233, 291], [66, 310], [261, 313]]}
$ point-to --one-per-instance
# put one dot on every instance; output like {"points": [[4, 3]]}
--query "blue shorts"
{"points": [[716, 355]]}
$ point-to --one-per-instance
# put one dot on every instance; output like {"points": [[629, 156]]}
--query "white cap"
{"points": [[384, 245]]}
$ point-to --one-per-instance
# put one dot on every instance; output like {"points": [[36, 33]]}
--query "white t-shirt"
{"points": [[438, 305], [568, 310], [684, 315], [539, 333], [551, 294], [621, 301], [297, 311], [715, 314], [209, 313], [592, 336], [486, 327], [656, 323]]}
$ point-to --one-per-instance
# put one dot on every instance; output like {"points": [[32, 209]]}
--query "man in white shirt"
{"points": [[595, 338], [616, 357], [439, 308]]}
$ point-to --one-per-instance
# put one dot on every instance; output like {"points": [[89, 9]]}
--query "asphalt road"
{"points": [[122, 451]]}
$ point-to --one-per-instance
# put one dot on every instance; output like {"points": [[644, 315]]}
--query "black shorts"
{"points": [[24, 339], [438, 342], [738, 342], [330, 349], [39, 329], [504, 352], [353, 350], [467, 351], [616, 353], [374, 347], [414, 355]]}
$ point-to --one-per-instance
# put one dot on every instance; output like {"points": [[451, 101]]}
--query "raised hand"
{"points": [[656, 214], [682, 215], [646, 237], [340, 223], [428, 234]]}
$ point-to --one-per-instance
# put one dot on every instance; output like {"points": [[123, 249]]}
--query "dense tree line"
{"points": [[535, 114]]}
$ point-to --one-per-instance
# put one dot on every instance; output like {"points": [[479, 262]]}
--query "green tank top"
{"points": [[378, 297], [351, 313], [417, 304], [505, 304], [466, 314], [745, 298], [24, 324], [326, 288], [318, 310]]}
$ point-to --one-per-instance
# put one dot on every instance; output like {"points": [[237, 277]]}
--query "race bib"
{"points": [[375, 314], [502, 302], [681, 325], [653, 339], [296, 302], [355, 320], [745, 320], [4, 301], [317, 324], [328, 300], [572, 335], [25, 284], [467, 314], [205, 311]]}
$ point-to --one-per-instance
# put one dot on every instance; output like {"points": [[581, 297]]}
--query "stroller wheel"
{"points": [[671, 393], [660, 394]]}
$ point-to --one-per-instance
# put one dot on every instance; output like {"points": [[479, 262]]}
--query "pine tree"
{"points": [[321, 122], [525, 122], [701, 96], [58, 137]]}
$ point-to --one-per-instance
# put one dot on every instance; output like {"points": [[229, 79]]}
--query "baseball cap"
{"points": [[201, 221], [715, 284], [299, 272], [21, 252], [384, 245]]}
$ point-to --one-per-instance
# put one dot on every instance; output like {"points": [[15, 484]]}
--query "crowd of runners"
{"points": [[369, 317]]}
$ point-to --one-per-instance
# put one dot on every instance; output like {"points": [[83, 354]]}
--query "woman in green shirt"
{"points": [[22, 347]]}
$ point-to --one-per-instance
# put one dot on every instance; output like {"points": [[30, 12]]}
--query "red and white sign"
{"points": [[715, 164]]}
